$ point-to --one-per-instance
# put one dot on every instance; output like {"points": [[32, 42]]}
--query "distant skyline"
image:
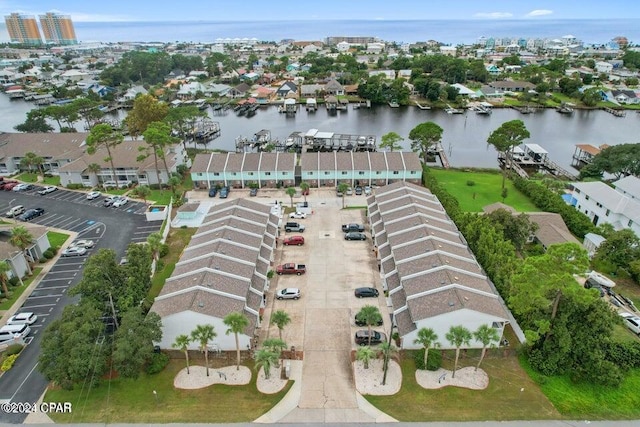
{"points": [[279, 10]]}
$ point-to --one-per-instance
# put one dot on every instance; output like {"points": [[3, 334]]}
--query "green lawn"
{"points": [[177, 240], [486, 190], [18, 290], [501, 400], [133, 401], [33, 177], [589, 401], [56, 240]]}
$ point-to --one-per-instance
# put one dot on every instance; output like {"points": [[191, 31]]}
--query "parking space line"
{"points": [[29, 307], [53, 287], [56, 279], [67, 222], [43, 296], [50, 219], [63, 271]]}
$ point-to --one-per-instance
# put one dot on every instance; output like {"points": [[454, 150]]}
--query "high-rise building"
{"points": [[23, 29], [58, 29]]}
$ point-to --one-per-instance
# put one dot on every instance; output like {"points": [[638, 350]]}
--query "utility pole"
{"points": [[113, 311]]}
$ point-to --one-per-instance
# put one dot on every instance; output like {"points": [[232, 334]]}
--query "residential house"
{"points": [[464, 91], [493, 70], [604, 67], [133, 92], [432, 278], [404, 74], [312, 90], [507, 86], [375, 48], [625, 96], [264, 95], [619, 207], [56, 149], [74, 75], [218, 89], [448, 50], [239, 91], [223, 270], [387, 74], [592, 242], [287, 88], [191, 90], [227, 76], [129, 170], [18, 259], [343, 46], [332, 87]]}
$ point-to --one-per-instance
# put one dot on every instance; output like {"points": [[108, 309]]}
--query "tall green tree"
{"points": [[280, 318], [31, 160], [103, 282], [423, 137], [516, 228], [142, 191], [304, 186], [237, 323], [158, 136], [370, 315], [388, 350], [4, 269], [342, 188], [183, 119], [365, 354], [182, 343], [138, 276], [22, 238], [36, 122], [266, 359], [619, 160], [391, 141], [291, 192], [458, 336], [146, 110], [203, 334], [487, 336], [103, 136], [134, 341], [427, 338], [154, 240], [507, 136]]}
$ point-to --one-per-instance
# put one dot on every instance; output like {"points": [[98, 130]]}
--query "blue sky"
{"points": [[252, 10]]}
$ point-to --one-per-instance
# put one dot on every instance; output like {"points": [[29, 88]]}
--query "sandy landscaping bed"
{"points": [[369, 381], [465, 377], [197, 378], [272, 385]]}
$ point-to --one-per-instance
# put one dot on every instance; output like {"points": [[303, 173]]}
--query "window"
{"points": [[413, 172], [630, 223], [361, 173], [216, 174], [326, 173], [607, 213], [85, 176], [396, 172], [310, 173], [586, 197], [199, 174], [233, 174], [267, 173], [599, 205], [285, 173], [378, 172], [250, 173], [142, 176]]}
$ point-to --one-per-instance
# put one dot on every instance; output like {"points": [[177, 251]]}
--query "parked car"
{"points": [[366, 292], [288, 293], [213, 191], [360, 322], [253, 192], [632, 322], [22, 187], [120, 201], [22, 319], [339, 193], [15, 211], [291, 268], [11, 332], [29, 214], [9, 186], [294, 226], [109, 201], [93, 195], [84, 243], [298, 215], [358, 191], [349, 191], [48, 189], [355, 235], [224, 192], [120, 184], [362, 337], [367, 190], [346, 228], [74, 251], [294, 240]]}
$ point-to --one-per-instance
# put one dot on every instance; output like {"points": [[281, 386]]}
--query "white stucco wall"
{"points": [[470, 319], [185, 322]]}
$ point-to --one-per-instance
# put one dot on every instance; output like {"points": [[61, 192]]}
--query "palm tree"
{"points": [[342, 188], [266, 359], [388, 350], [103, 135], [30, 160], [281, 319], [291, 192], [237, 323], [21, 238], [371, 316], [275, 345], [94, 168], [4, 269], [304, 186], [365, 354], [182, 343], [487, 336], [427, 338], [143, 191], [154, 240], [457, 336], [203, 334]]}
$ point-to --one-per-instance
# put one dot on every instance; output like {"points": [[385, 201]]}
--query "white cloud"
{"points": [[493, 15], [540, 12]]}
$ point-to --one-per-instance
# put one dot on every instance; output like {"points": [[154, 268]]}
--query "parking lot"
{"points": [[107, 227], [323, 318]]}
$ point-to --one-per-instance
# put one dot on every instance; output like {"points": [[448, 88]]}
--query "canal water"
{"points": [[464, 138]]}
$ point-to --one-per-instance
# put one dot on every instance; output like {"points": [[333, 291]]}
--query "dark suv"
{"points": [[30, 214], [362, 337], [366, 292]]}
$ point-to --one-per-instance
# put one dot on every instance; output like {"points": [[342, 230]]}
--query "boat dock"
{"points": [[438, 151], [617, 113], [526, 109], [584, 154], [531, 159], [205, 131], [311, 141], [422, 107]]}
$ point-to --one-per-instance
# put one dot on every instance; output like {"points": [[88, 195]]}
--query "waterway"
{"points": [[464, 137]]}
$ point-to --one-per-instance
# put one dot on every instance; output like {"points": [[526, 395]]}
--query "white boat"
{"points": [[451, 110]]}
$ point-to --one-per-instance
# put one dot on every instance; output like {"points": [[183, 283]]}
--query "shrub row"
{"points": [[8, 362]]}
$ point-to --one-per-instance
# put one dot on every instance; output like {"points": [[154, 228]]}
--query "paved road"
{"points": [[108, 227]]}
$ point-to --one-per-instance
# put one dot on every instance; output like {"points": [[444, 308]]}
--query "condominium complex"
{"points": [[23, 29], [58, 29]]}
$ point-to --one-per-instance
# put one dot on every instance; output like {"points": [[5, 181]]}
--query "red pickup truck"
{"points": [[291, 268]]}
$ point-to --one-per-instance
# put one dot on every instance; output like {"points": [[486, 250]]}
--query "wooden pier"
{"points": [[526, 109], [533, 158], [617, 113], [422, 107], [438, 151]]}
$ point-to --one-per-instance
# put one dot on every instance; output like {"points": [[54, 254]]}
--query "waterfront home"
{"points": [[223, 270], [190, 90], [264, 95], [239, 91], [507, 86], [493, 69], [464, 91], [287, 88], [332, 87], [56, 149], [625, 96], [311, 90], [432, 278], [128, 169], [619, 206], [133, 92]]}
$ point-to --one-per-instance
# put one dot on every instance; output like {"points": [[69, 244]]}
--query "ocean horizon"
{"points": [[590, 31]]}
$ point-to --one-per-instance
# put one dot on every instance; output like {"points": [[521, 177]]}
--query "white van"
{"points": [[9, 332], [15, 211]]}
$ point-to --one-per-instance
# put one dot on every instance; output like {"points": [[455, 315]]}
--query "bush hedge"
{"points": [[8, 362], [434, 360], [157, 363]]}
